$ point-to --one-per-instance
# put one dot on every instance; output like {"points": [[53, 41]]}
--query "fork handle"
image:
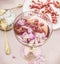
{"points": [[7, 48]]}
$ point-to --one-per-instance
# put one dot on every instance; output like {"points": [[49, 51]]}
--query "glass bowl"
{"points": [[32, 29]]}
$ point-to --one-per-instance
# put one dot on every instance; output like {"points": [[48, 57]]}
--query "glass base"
{"points": [[30, 56], [34, 55]]}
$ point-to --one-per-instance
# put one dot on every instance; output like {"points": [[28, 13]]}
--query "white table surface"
{"points": [[51, 49]]}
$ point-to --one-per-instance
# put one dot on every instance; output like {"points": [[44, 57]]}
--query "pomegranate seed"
{"points": [[41, 24]]}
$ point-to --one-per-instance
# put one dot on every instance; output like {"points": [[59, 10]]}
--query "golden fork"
{"points": [[4, 26], [18, 6]]}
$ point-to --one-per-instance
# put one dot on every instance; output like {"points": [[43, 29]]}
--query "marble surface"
{"points": [[51, 49]]}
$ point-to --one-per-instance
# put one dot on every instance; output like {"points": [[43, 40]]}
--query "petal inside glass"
{"points": [[32, 29]]}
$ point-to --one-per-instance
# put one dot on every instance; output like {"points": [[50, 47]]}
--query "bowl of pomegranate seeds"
{"points": [[49, 7], [31, 29]]}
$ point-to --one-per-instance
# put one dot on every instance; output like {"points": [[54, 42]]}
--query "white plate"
{"points": [[27, 8]]}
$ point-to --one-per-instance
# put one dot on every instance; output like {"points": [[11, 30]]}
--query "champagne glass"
{"points": [[32, 30]]}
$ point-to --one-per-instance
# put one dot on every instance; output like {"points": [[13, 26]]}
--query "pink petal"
{"points": [[43, 35], [29, 30], [24, 34]]}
